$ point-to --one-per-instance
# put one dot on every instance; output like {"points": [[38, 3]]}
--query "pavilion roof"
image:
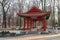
{"points": [[34, 11]]}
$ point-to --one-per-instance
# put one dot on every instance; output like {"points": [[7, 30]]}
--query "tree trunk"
{"points": [[4, 18], [9, 21]]}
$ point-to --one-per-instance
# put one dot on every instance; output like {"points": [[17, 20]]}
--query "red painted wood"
{"points": [[27, 23], [34, 12], [44, 24], [30, 25], [24, 24]]}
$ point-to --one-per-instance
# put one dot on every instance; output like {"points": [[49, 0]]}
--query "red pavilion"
{"points": [[33, 15]]}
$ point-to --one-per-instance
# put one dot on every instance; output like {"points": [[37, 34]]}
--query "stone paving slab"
{"points": [[52, 38]]}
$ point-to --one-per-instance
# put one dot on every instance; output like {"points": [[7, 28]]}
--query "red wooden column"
{"points": [[24, 24], [28, 23], [31, 24], [44, 24]]}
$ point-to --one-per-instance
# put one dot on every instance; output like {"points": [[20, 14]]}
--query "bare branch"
{"points": [[8, 7], [6, 3], [0, 2]]}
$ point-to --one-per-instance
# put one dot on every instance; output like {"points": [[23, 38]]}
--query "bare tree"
{"points": [[13, 10], [4, 4], [9, 16]]}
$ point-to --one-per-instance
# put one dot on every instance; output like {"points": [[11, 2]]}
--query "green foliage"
{"points": [[13, 34], [47, 17], [4, 32]]}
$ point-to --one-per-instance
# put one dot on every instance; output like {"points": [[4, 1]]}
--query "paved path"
{"points": [[34, 37], [50, 38]]}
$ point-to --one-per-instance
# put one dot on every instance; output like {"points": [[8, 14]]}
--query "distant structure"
{"points": [[34, 15]]}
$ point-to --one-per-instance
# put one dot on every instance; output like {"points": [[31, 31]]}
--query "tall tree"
{"points": [[13, 10], [5, 4]]}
